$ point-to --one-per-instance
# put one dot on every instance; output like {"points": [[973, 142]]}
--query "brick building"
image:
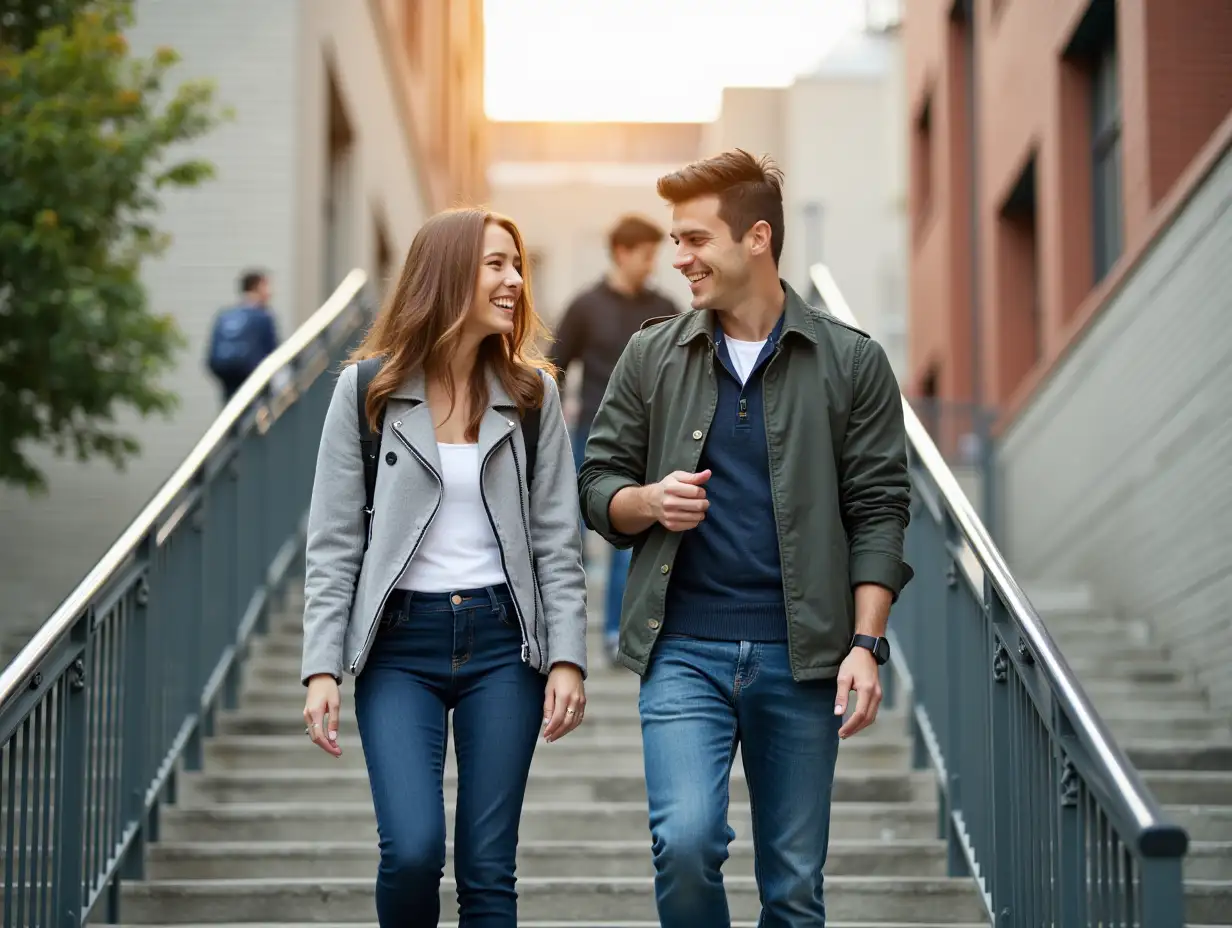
{"points": [[1071, 200]]}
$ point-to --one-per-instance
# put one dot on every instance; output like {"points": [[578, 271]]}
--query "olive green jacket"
{"points": [[838, 470]]}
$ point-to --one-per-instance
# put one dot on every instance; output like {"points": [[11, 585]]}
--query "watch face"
{"points": [[882, 651]]}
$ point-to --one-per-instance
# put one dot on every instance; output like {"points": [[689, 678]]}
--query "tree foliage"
{"points": [[86, 137]]}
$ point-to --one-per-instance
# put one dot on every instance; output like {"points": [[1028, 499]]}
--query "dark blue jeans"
{"points": [[699, 700], [618, 563], [435, 652]]}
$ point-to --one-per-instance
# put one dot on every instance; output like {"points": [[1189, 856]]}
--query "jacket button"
{"points": [[391, 458], [697, 435], [665, 568], [652, 624]]}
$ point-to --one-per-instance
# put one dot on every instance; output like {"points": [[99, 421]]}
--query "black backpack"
{"points": [[370, 441]]}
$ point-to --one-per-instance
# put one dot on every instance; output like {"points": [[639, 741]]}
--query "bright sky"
{"points": [[647, 60]]}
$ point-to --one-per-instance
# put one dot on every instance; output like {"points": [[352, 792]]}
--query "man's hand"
{"points": [[678, 501], [858, 672]]}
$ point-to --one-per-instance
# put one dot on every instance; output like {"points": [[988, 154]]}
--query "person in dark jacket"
{"points": [[595, 329], [242, 335], [752, 453]]}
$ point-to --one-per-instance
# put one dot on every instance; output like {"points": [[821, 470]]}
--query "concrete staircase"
{"points": [[274, 832], [1161, 717]]}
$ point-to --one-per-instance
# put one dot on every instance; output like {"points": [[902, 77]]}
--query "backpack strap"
{"points": [[530, 437], [369, 441]]}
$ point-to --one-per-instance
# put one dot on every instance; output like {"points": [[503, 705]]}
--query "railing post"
{"points": [[137, 702], [951, 675], [193, 619], [68, 890], [1071, 857], [1163, 893], [1002, 867]]}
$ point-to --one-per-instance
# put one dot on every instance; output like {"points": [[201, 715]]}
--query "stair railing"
{"points": [[119, 687], [1037, 802]]}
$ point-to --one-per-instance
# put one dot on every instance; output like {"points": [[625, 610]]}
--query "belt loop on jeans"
{"points": [[492, 600]]}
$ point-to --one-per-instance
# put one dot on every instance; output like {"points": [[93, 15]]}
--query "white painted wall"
{"points": [[1117, 474], [268, 62]]}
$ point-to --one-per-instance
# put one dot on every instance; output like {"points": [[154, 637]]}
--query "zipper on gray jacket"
{"points": [[530, 551], [504, 566], [407, 563]]}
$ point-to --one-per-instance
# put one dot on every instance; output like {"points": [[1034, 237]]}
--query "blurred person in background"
{"points": [[454, 584], [243, 335], [595, 329]]}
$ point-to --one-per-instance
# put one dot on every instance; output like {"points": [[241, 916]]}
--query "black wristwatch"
{"points": [[879, 646]]}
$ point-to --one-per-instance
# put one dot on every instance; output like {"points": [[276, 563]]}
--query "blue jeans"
{"points": [[699, 700], [618, 563], [432, 655]]}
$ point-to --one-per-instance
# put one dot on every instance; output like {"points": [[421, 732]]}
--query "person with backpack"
{"points": [[443, 566], [243, 335]]}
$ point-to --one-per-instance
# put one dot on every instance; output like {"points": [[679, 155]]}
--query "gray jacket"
{"points": [[345, 590]]}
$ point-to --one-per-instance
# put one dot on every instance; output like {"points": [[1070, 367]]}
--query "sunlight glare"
{"points": [[647, 60]]}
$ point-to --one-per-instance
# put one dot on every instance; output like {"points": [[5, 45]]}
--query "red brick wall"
{"points": [[1175, 72]]}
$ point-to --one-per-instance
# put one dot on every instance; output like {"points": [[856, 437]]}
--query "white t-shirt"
{"points": [[744, 355], [459, 550]]}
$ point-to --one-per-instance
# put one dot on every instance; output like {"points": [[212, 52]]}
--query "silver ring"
{"points": [[568, 712]]}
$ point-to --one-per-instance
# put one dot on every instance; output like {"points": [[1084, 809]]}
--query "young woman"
{"points": [[470, 595]]}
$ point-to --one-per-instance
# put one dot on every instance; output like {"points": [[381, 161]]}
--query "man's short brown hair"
{"points": [[631, 231], [749, 190]]}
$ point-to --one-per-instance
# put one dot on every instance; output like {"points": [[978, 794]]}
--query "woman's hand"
{"points": [[564, 703], [321, 713]]}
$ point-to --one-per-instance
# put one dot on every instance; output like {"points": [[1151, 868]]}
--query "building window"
{"points": [[1093, 51], [922, 162], [1019, 324], [1108, 218]]}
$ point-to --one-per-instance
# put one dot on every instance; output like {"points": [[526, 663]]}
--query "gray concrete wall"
{"points": [[1120, 471], [268, 62]]}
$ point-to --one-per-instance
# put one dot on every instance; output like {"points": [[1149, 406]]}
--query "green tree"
{"points": [[86, 132]]}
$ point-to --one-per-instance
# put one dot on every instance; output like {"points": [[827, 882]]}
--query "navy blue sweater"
{"points": [[727, 582]]}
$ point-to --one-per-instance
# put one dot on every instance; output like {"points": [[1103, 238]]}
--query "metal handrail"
{"points": [[1089, 760], [116, 694], [1090, 728], [16, 675]]}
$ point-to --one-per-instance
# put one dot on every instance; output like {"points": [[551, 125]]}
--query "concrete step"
{"points": [[1177, 754], [1204, 823], [1127, 670], [1052, 599], [1209, 860], [871, 749], [616, 821], [1208, 901], [620, 719], [590, 923], [1107, 693], [1213, 788], [600, 859], [611, 717], [547, 784], [312, 900]]}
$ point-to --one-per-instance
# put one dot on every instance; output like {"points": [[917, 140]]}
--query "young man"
{"points": [[753, 452], [242, 335], [595, 329]]}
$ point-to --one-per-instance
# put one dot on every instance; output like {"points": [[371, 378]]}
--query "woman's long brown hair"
{"points": [[419, 327]]}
